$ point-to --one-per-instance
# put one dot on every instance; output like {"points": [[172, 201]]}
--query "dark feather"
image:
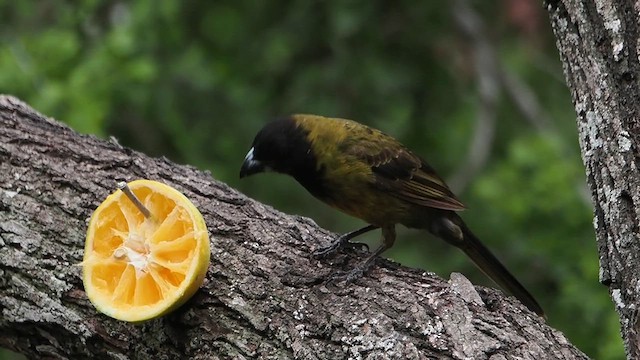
{"points": [[406, 176]]}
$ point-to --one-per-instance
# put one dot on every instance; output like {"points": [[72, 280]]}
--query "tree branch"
{"points": [[263, 296]]}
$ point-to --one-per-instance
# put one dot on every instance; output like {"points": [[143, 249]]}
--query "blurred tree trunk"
{"points": [[598, 43], [263, 295]]}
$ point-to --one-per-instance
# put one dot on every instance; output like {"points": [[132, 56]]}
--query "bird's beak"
{"points": [[250, 165]]}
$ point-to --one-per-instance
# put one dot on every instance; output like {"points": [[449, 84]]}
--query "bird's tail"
{"points": [[451, 228], [493, 268]]}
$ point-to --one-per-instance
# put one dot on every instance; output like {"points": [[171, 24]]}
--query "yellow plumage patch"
{"points": [[371, 175]]}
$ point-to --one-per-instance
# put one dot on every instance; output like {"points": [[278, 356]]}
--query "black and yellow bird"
{"points": [[372, 176]]}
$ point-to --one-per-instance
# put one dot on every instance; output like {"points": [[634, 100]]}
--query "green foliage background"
{"points": [[194, 81]]}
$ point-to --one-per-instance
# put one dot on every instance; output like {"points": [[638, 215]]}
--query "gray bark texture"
{"points": [[598, 44], [263, 297]]}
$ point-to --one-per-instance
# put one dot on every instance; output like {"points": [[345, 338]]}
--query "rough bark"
{"points": [[598, 44], [264, 297]]}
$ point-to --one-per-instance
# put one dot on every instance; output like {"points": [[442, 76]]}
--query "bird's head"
{"points": [[280, 146]]}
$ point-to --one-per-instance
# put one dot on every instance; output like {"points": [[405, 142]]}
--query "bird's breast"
{"points": [[353, 193]]}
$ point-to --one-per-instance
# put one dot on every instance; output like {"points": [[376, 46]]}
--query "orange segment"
{"points": [[138, 268]]}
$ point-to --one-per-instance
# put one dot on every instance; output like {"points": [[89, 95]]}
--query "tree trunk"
{"points": [[598, 43], [263, 297]]}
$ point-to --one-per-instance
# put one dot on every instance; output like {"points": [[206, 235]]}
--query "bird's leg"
{"points": [[388, 238], [343, 240]]}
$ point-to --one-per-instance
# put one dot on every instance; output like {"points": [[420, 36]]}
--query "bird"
{"points": [[370, 175]]}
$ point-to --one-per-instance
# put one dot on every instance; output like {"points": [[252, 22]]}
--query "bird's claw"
{"points": [[330, 249], [325, 251], [355, 273], [333, 247], [343, 241]]}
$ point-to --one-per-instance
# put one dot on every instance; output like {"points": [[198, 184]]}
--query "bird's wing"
{"points": [[399, 172]]}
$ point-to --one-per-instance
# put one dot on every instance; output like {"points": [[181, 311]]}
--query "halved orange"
{"points": [[137, 268]]}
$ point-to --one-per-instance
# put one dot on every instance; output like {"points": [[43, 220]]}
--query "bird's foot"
{"points": [[353, 275], [342, 241]]}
